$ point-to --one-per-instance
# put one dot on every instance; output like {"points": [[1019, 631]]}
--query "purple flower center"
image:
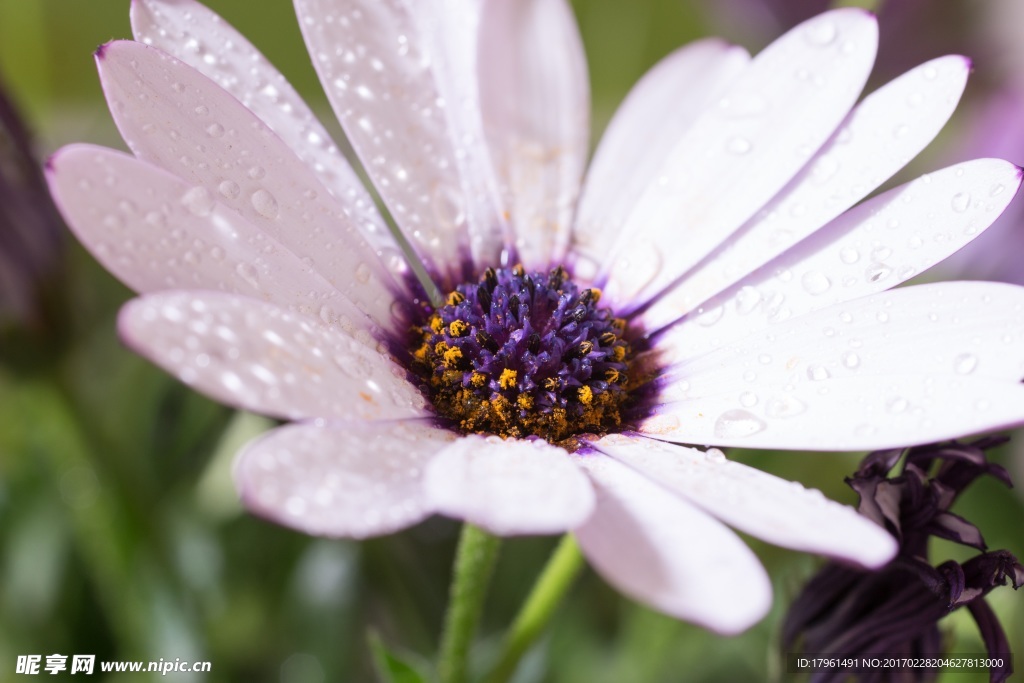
{"points": [[519, 354]]}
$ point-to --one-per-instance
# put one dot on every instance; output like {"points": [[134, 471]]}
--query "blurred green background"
{"points": [[121, 534]]}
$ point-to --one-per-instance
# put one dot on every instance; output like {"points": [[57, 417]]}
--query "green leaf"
{"points": [[394, 668]]}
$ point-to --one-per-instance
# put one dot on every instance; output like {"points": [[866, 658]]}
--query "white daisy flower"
{"points": [[711, 279]]}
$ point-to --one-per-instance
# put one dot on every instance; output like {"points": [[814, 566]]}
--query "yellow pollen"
{"points": [[452, 356], [525, 401], [436, 324], [518, 270], [507, 379], [595, 294], [455, 298], [611, 375], [618, 353], [478, 379], [586, 395], [420, 354], [457, 328]]}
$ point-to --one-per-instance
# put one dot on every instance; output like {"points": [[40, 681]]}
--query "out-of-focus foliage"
{"points": [[120, 533]]}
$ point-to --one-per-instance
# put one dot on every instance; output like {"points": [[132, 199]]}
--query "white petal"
{"points": [[656, 113], [166, 111], [348, 479], [156, 232], [878, 138], [662, 551], [191, 32], [873, 247], [262, 358], [755, 502], [509, 487], [535, 99], [401, 79], [739, 154], [850, 413], [943, 328]]}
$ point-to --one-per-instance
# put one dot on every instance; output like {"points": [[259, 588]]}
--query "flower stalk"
{"points": [[471, 574], [561, 570]]}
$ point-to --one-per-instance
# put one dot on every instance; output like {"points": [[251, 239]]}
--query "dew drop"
{"points": [[961, 201], [877, 272], [900, 131], [710, 317], [363, 273], [747, 300], [880, 253], [257, 172], [821, 33], [199, 201], [217, 253], [714, 455], [896, 404], [748, 399], [817, 373], [849, 255], [215, 130], [202, 110], [248, 272], [265, 204], [815, 282], [784, 406], [738, 145], [229, 189], [851, 360], [738, 423], [447, 205], [965, 363]]}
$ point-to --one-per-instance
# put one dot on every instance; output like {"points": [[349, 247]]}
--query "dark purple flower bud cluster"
{"points": [[894, 611]]}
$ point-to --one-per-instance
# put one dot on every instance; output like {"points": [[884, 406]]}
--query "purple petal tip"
{"points": [[101, 51]]}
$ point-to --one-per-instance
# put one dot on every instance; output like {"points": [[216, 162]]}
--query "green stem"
{"points": [[563, 567], [474, 563]]}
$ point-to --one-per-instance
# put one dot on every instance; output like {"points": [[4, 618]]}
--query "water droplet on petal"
{"points": [[817, 373], [849, 255], [714, 455], [815, 282], [821, 33], [265, 204], [229, 189], [738, 145], [965, 363], [215, 130], [896, 404], [747, 300], [199, 201], [363, 273], [248, 272], [784, 405], [738, 423], [961, 201], [748, 399], [851, 360], [877, 272]]}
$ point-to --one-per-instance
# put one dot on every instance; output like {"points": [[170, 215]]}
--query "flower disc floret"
{"points": [[519, 354]]}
